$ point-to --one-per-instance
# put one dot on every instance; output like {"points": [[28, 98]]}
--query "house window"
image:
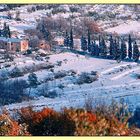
{"points": [[6, 43]]}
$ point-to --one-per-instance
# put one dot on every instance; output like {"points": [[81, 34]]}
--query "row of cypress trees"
{"points": [[117, 48]]}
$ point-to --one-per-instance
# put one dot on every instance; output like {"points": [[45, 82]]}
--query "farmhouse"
{"points": [[13, 44]]}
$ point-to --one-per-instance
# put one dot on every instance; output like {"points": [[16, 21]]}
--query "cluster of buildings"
{"points": [[21, 45], [14, 44]]}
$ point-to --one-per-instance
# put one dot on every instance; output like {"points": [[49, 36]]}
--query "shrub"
{"points": [[9, 127], [91, 124], [135, 119], [61, 86], [47, 122], [29, 51], [100, 121], [138, 76], [54, 125], [4, 75], [48, 66], [30, 117], [86, 78], [58, 10], [60, 74], [51, 94], [12, 91], [16, 72], [59, 63], [72, 72]]}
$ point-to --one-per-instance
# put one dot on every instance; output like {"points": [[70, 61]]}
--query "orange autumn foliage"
{"points": [[78, 122], [39, 116], [9, 127], [30, 116], [91, 117]]}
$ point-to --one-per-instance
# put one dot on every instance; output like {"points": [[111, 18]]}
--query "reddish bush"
{"points": [[9, 127], [78, 122], [47, 122], [39, 116], [30, 117]]}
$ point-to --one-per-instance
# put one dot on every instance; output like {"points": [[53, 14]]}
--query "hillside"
{"points": [[111, 18]]}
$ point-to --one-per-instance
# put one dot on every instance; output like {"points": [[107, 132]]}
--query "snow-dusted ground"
{"points": [[115, 81], [126, 28], [125, 21]]}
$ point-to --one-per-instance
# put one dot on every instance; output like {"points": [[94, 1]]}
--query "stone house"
{"points": [[13, 44]]}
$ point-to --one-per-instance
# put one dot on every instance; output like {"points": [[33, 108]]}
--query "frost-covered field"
{"points": [[116, 81]]}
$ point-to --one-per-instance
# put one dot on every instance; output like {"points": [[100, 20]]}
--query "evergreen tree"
{"points": [[89, 41], [123, 49], [115, 49], [43, 29], [32, 78], [104, 48], [66, 40], [135, 52], [118, 52], [71, 43], [111, 46], [97, 50], [130, 47], [93, 52], [83, 43], [33, 81], [94, 49], [6, 31]]}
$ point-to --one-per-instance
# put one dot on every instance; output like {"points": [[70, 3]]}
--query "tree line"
{"points": [[118, 48]]}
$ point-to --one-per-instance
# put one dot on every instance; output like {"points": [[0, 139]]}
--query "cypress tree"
{"points": [[83, 43], [135, 52], [129, 47], [89, 42], [118, 51], [111, 46], [93, 48], [123, 49], [43, 29], [96, 49], [104, 52], [66, 40], [4, 30], [71, 43], [8, 32], [115, 49]]}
